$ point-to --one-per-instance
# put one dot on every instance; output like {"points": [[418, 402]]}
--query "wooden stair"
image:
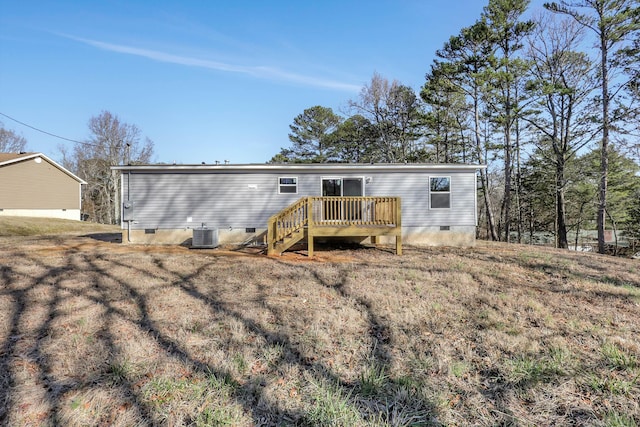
{"points": [[287, 242], [332, 216], [287, 227]]}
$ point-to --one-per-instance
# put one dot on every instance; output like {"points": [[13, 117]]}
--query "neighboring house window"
{"points": [[288, 185], [439, 192]]}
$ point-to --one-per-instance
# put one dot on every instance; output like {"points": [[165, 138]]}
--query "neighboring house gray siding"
{"points": [[233, 198]]}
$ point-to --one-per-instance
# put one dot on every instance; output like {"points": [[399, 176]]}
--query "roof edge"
{"points": [[299, 167], [28, 156]]}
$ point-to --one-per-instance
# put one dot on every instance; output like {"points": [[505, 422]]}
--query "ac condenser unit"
{"points": [[204, 238]]}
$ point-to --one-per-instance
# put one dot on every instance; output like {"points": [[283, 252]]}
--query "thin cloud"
{"points": [[255, 71]]}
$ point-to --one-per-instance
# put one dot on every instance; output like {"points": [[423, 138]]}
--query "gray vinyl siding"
{"points": [[164, 200], [413, 188]]}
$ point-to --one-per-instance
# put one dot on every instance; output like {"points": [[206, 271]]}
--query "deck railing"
{"points": [[334, 216], [365, 211], [289, 220]]}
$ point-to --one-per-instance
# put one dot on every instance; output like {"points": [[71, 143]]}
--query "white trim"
{"points": [[439, 192], [28, 156], [122, 196], [475, 198], [288, 185], [72, 214]]}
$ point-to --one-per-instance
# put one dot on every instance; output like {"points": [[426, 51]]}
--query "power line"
{"points": [[47, 133]]}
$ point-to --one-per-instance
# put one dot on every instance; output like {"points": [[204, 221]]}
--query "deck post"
{"points": [[399, 225], [271, 232], [310, 227]]}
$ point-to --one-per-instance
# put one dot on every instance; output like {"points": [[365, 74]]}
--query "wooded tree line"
{"points": [[550, 104]]}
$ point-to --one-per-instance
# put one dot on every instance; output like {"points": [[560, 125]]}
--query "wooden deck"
{"points": [[312, 217]]}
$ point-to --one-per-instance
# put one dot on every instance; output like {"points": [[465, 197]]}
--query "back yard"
{"points": [[94, 332]]}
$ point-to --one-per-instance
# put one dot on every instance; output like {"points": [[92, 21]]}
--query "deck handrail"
{"points": [[289, 220], [350, 215], [355, 210]]}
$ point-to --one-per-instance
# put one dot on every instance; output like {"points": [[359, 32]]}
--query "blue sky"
{"points": [[207, 80]]}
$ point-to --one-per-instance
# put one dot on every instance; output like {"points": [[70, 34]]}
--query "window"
{"points": [[439, 192], [288, 185]]}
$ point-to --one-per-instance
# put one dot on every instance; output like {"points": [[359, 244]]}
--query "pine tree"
{"points": [[613, 22]]}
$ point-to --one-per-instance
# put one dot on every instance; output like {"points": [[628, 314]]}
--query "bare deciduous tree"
{"points": [[11, 142], [394, 112], [112, 142]]}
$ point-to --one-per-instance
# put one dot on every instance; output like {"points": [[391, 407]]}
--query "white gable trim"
{"points": [[47, 159]]}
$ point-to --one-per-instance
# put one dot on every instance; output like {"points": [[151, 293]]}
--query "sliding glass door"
{"points": [[342, 187], [342, 210]]}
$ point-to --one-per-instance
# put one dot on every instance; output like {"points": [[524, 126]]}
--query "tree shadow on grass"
{"points": [[376, 394], [31, 333], [374, 398], [370, 398], [7, 379]]}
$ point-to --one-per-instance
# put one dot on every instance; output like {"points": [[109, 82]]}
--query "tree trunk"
{"points": [[531, 230], [518, 184], [506, 201], [604, 155], [561, 214], [491, 225], [615, 234], [579, 223]]}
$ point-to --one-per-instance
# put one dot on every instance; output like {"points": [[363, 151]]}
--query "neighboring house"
{"points": [[31, 184], [164, 203]]}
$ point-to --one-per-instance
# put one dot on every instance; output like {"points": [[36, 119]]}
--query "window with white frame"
{"points": [[288, 185], [440, 192]]}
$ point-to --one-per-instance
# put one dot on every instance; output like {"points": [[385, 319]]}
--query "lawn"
{"points": [[95, 332]]}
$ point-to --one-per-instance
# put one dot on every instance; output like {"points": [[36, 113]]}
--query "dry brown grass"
{"points": [[11, 226], [98, 333]]}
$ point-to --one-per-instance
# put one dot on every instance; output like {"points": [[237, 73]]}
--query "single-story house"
{"points": [[436, 203], [31, 184]]}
